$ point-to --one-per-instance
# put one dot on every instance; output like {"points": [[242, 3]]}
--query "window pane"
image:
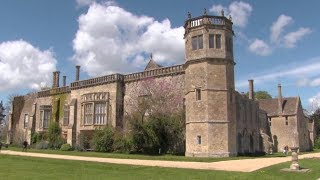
{"points": [[211, 41], [218, 41], [200, 41], [194, 43]]}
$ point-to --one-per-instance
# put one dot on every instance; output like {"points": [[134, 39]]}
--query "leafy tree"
{"points": [[315, 116], [259, 95]]}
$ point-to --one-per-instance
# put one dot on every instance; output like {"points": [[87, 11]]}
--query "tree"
{"points": [[259, 95], [315, 116]]}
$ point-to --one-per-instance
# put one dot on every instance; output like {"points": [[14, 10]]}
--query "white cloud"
{"points": [[239, 10], [302, 82], [278, 27], [290, 40], [314, 102], [111, 39], [24, 66], [315, 82], [307, 69], [84, 2], [259, 47]]}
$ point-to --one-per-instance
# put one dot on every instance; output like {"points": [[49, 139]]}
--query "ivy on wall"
{"points": [[58, 102]]}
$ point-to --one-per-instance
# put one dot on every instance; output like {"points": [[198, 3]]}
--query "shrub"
{"points": [[121, 143], [42, 145], [54, 136], [317, 143], [103, 139], [66, 147]]}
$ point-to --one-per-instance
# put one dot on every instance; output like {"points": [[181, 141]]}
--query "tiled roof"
{"points": [[152, 65], [290, 106]]}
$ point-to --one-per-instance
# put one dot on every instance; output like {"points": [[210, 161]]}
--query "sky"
{"points": [[275, 41]]}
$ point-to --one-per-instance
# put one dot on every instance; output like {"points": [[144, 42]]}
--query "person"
{"points": [[25, 145], [285, 150], [0, 145]]}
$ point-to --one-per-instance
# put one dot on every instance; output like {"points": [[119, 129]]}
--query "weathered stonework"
{"points": [[219, 120]]}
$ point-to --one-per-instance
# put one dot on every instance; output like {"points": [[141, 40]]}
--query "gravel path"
{"points": [[243, 165]]}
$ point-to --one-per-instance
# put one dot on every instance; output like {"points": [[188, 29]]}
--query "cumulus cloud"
{"points": [[290, 40], [259, 47], [111, 39], [278, 27], [25, 66], [239, 10]]}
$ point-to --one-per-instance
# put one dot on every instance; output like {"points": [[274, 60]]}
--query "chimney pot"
{"points": [[280, 107], [77, 73], [251, 89], [64, 80]]}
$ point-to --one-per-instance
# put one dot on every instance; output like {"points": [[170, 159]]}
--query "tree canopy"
{"points": [[259, 95]]}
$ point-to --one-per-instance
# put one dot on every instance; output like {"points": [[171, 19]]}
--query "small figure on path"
{"points": [[0, 146], [25, 145]]}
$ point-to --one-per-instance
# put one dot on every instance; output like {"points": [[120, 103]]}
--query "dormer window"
{"points": [[197, 42]]}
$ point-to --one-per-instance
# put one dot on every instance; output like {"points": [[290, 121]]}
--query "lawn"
{"points": [[167, 157], [17, 167]]}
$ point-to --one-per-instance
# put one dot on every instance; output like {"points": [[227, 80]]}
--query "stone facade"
{"points": [[219, 120]]}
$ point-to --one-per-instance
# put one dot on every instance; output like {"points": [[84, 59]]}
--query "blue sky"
{"points": [[275, 41]]}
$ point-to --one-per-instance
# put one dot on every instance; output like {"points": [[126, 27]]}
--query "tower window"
{"points": [[287, 123], [197, 42], [211, 41], [218, 41], [26, 120], [199, 139], [269, 121], [198, 94]]}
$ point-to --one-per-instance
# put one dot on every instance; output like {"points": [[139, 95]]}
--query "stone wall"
{"points": [[248, 125]]}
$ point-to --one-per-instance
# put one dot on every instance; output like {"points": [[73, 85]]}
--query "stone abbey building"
{"points": [[219, 120]]}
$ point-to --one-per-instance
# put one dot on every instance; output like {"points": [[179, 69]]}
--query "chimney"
{"points": [[53, 79], [251, 91], [64, 80], [57, 78], [280, 108], [77, 73]]}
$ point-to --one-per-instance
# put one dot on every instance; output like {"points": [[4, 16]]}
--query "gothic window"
{"points": [[100, 113], [218, 41], [199, 139], [198, 94], [211, 41], [88, 113], [197, 42], [45, 115], [66, 115], [26, 121]]}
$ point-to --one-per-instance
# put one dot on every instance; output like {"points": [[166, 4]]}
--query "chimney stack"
{"points": [[280, 107], [64, 80], [57, 78], [53, 79], [77, 73], [251, 89]]}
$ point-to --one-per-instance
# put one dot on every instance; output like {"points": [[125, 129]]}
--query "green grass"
{"points": [[18, 167]]}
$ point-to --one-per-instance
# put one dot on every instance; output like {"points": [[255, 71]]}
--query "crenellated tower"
{"points": [[209, 86]]}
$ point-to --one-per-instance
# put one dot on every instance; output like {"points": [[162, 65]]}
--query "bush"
{"points": [[42, 145], [317, 143], [103, 139], [66, 147], [54, 136], [121, 143]]}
